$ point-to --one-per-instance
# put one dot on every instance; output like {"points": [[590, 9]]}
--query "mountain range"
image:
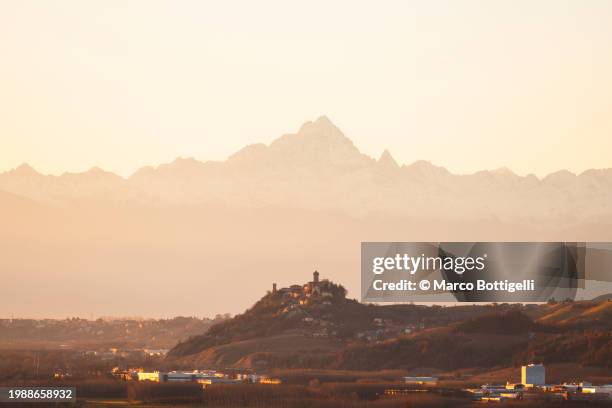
{"points": [[177, 238], [320, 168]]}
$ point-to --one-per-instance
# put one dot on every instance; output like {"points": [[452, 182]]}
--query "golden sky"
{"points": [[468, 85]]}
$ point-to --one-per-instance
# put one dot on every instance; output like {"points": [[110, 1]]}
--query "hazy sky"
{"points": [[465, 84]]}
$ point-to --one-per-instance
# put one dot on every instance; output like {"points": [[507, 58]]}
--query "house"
{"points": [[217, 380], [269, 381], [152, 376], [155, 352], [368, 335], [59, 373]]}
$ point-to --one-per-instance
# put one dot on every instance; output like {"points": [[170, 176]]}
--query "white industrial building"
{"points": [[533, 375], [421, 380], [597, 389]]}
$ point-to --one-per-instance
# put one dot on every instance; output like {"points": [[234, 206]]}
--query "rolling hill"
{"points": [[333, 332]]}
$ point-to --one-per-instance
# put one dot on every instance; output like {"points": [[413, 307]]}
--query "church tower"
{"points": [[315, 277]]}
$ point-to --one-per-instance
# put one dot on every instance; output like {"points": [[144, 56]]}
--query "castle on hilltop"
{"points": [[321, 290]]}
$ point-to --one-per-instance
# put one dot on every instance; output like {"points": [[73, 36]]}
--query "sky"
{"points": [[468, 85]]}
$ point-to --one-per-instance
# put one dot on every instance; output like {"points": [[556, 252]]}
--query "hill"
{"points": [[76, 333], [294, 328]]}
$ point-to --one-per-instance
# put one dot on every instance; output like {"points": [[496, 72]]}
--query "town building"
{"points": [[179, 376], [316, 288], [151, 376], [269, 381], [421, 380], [533, 375], [597, 389], [155, 352], [218, 380]]}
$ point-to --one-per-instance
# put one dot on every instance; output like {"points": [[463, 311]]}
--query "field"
{"points": [[311, 388]]}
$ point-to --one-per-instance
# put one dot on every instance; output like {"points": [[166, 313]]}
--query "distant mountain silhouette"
{"points": [[320, 168], [265, 214]]}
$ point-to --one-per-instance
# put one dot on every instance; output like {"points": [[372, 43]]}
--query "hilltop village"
{"points": [[312, 302], [316, 293]]}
